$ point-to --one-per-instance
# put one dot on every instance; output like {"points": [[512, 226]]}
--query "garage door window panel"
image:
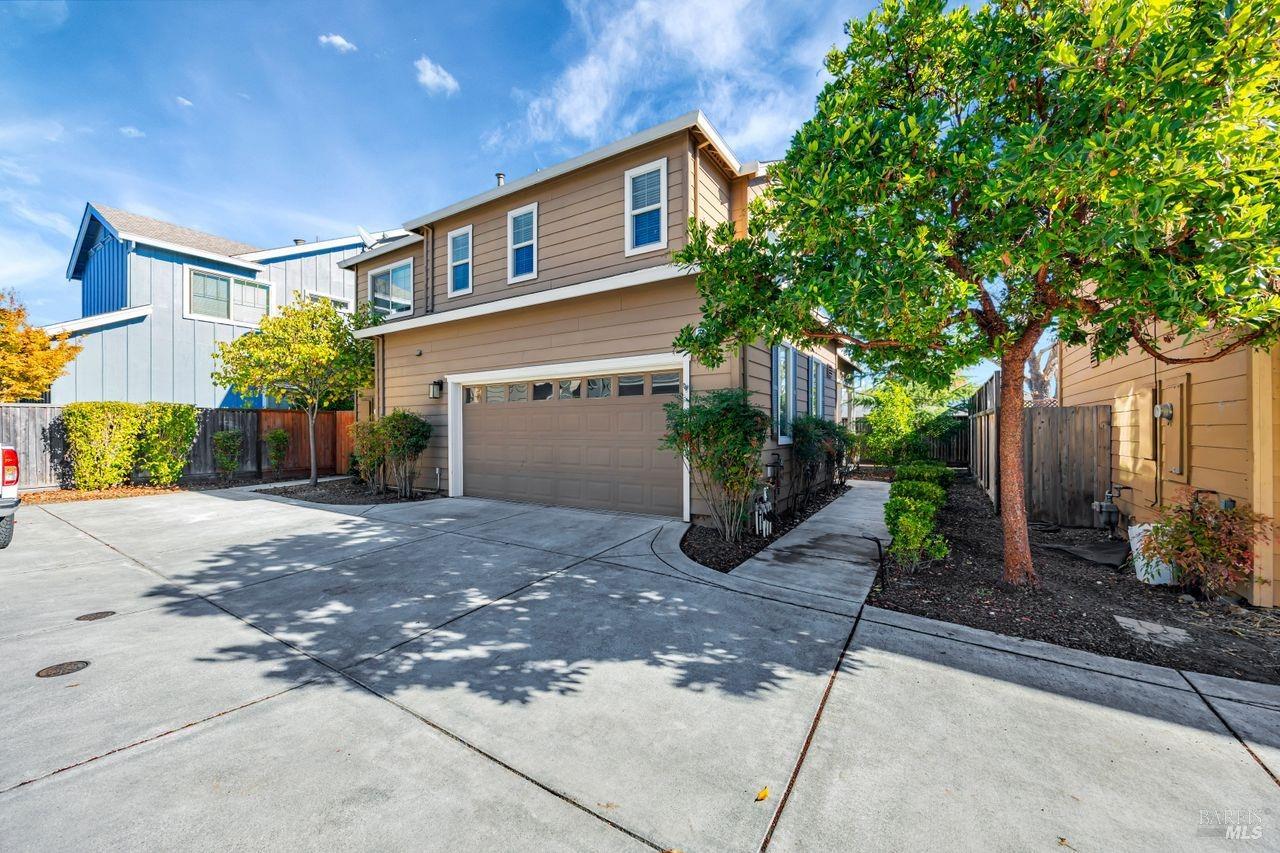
{"points": [[570, 389], [665, 383], [518, 393], [542, 390], [600, 387], [495, 393], [631, 386]]}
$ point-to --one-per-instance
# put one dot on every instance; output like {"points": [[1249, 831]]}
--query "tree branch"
{"points": [[1147, 346]]}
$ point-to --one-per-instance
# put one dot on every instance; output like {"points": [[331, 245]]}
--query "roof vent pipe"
{"points": [[501, 176], [299, 241]]}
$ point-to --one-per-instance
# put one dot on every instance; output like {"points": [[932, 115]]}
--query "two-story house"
{"points": [[157, 297], [533, 325]]}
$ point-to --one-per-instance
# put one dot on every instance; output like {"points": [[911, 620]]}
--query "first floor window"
{"points": [[460, 261], [522, 242], [784, 389], [646, 207], [817, 387], [391, 289], [225, 297]]}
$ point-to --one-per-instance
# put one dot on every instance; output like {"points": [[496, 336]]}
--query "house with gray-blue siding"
{"points": [[155, 299]]}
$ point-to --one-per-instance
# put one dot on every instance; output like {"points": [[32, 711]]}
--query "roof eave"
{"points": [[379, 251], [180, 249]]}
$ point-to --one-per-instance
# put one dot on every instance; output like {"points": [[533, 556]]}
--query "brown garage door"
{"points": [[574, 441]]}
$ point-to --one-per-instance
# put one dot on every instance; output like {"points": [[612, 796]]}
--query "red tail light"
{"points": [[10, 464]]}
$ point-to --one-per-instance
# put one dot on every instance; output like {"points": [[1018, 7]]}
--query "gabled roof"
{"points": [[695, 121], [156, 229]]}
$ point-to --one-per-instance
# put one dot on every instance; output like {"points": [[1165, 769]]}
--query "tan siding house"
{"points": [[1219, 435], [538, 334]]}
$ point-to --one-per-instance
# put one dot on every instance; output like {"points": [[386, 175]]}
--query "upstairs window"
{"points": [[391, 289], [460, 261], [214, 296], [522, 243], [784, 392], [646, 217]]}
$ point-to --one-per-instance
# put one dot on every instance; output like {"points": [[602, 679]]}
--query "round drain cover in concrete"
{"points": [[65, 668], [95, 615]]}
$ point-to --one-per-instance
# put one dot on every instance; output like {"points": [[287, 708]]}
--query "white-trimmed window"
{"points": [[817, 387], [784, 392], [522, 244], [338, 302], [459, 243], [391, 288], [646, 208], [227, 298]]}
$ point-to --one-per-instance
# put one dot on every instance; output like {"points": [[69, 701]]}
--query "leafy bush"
{"points": [[226, 451], [919, 490], [720, 434], [368, 452], [406, 435], [277, 441], [925, 472], [167, 432], [904, 416], [911, 524], [1209, 547], [102, 442]]}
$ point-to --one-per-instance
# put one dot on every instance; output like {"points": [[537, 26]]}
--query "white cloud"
{"points": [[433, 78], [131, 132], [29, 134], [15, 171], [243, 96], [336, 42], [27, 262], [644, 61], [183, 102], [19, 206]]}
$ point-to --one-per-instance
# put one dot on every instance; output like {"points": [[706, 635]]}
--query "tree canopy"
{"points": [[30, 358]]}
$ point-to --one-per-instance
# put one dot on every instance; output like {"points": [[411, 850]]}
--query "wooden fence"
{"points": [[1066, 456], [36, 431]]}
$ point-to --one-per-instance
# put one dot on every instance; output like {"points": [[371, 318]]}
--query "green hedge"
{"points": [[167, 432], [925, 472], [911, 524], [102, 442], [918, 490]]}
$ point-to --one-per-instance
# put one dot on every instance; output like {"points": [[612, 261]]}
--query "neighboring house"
{"points": [[533, 325], [157, 297], [1216, 430]]}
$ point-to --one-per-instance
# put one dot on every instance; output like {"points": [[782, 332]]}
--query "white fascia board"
{"points": [[644, 137], [189, 250], [379, 251], [97, 320], [621, 364], [648, 275], [317, 246]]}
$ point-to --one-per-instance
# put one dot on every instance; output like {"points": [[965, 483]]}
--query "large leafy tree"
{"points": [[307, 356], [972, 177], [30, 358]]}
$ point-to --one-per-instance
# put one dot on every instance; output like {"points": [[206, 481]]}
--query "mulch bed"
{"points": [[64, 496], [1079, 600], [703, 544], [346, 491]]}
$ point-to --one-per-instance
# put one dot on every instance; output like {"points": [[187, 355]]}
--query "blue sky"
{"points": [[265, 122]]}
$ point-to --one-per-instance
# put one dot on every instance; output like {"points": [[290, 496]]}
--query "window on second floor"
{"points": [[342, 305], [646, 216], [817, 387], [784, 392], [522, 243], [215, 296], [460, 261], [391, 288]]}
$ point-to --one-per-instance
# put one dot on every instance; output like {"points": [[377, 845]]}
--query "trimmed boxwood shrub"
{"points": [[226, 451], [167, 432], [918, 490], [102, 442], [911, 524], [925, 472]]}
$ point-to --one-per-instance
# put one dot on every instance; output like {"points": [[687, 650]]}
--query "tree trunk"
{"points": [[311, 440], [1018, 570]]}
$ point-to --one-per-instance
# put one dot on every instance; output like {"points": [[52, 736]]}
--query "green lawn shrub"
{"points": [[167, 432], [102, 442]]}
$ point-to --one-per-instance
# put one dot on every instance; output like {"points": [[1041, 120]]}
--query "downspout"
{"points": [[429, 258]]}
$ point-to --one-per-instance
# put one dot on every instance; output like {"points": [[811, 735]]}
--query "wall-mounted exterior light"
{"points": [[436, 389]]}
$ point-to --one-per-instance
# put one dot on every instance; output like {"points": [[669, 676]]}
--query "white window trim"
{"points": [[385, 268], [627, 229], [449, 292], [188, 314], [512, 278], [456, 396], [790, 414], [817, 387], [315, 294]]}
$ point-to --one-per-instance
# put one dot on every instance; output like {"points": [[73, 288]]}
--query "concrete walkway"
{"points": [[480, 675]]}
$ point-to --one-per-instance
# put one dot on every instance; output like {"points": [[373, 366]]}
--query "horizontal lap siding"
{"points": [[635, 321], [580, 229], [713, 189], [415, 252]]}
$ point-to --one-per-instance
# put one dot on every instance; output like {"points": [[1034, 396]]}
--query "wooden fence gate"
{"points": [[1066, 456]]}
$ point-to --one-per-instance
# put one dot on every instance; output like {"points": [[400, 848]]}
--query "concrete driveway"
{"points": [[477, 675]]}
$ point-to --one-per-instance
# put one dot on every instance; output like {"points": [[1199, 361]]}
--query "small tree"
{"points": [[721, 435], [277, 441], [406, 435], [975, 176], [30, 358], [226, 452], [168, 431], [369, 450], [306, 356]]}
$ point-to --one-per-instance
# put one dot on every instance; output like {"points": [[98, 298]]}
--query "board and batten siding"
{"points": [[167, 357], [105, 282], [640, 320], [1210, 444], [581, 229]]}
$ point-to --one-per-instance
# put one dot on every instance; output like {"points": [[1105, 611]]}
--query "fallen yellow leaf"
{"points": [[763, 795]]}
